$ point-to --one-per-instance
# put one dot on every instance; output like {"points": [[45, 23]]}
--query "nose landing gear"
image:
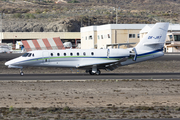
{"points": [[21, 72]]}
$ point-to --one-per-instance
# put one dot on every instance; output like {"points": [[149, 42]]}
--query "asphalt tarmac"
{"points": [[152, 119], [110, 76], [150, 76]]}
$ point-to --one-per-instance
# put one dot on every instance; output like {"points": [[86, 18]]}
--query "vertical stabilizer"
{"points": [[154, 40]]}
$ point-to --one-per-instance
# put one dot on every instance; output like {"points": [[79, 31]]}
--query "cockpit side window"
{"points": [[25, 55], [33, 54], [29, 55]]}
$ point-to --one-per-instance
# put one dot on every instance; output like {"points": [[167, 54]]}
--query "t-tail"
{"points": [[151, 46]]}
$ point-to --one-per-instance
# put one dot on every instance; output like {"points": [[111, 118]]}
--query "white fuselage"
{"points": [[77, 58]]}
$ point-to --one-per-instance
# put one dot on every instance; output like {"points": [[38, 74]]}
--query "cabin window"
{"points": [[92, 53], [25, 55], [29, 55], [71, 54], [64, 54], [84, 53], [58, 54], [77, 54], [51, 54]]}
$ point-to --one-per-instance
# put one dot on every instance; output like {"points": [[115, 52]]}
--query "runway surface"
{"points": [[89, 77], [150, 76], [152, 119]]}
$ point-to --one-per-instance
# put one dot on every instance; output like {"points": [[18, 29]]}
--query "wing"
{"points": [[109, 65]]}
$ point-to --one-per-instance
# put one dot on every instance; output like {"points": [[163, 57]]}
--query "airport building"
{"points": [[97, 37], [115, 35], [12, 37], [110, 35]]}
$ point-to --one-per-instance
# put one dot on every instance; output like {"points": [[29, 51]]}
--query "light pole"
{"points": [[117, 14]]}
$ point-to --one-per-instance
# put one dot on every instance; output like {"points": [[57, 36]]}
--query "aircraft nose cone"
{"points": [[7, 63]]}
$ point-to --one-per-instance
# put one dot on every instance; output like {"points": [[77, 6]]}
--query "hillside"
{"points": [[70, 15]]}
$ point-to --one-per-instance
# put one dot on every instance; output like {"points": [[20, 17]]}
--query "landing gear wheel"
{"points": [[21, 73], [98, 72], [90, 72]]}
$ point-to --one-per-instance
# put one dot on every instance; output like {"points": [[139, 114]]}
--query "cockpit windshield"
{"points": [[25, 55]]}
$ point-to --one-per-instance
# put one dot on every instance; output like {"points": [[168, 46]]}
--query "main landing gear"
{"points": [[98, 72], [21, 72], [94, 70]]}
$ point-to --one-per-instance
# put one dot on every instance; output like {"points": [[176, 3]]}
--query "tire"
{"points": [[90, 72], [98, 72], [21, 73]]}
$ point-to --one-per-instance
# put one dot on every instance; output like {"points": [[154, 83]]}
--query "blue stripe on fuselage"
{"points": [[158, 50]]}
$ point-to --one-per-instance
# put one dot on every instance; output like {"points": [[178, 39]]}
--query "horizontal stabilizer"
{"points": [[153, 43]]}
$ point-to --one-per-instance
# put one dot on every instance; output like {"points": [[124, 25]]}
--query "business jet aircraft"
{"points": [[92, 60]]}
